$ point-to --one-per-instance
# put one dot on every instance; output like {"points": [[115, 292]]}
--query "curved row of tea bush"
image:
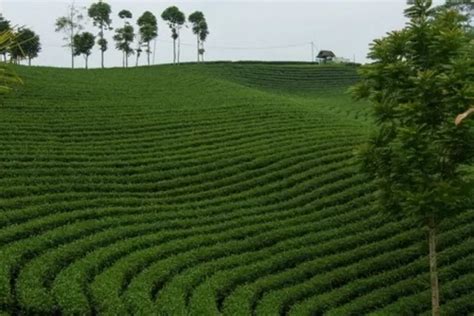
{"points": [[199, 190]]}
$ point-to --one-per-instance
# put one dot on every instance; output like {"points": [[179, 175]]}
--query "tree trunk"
{"points": [[29, 61], [202, 55], [433, 268], [72, 38], [87, 64], [174, 51], [72, 53], [148, 52], [179, 47], [198, 47], [101, 50]]}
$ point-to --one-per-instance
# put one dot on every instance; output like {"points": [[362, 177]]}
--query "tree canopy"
{"points": [[125, 14], [27, 45], [175, 19], [70, 25], [200, 29], [173, 16], [4, 24], [100, 14], [148, 30], [83, 44], [8, 77], [125, 36], [420, 80], [422, 77], [4, 27]]}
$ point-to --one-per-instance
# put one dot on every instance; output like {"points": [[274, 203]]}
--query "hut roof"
{"points": [[326, 54]]}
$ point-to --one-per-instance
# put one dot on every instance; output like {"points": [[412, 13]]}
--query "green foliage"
{"points": [[147, 26], [421, 78], [83, 44], [70, 25], [175, 20], [199, 25], [124, 37], [195, 18], [148, 30], [100, 12], [8, 78], [200, 29], [174, 17], [27, 45], [4, 26], [125, 14]]}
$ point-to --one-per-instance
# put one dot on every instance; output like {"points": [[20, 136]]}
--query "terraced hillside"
{"points": [[181, 191], [297, 78]]}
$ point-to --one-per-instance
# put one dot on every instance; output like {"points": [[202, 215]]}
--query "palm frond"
{"points": [[8, 77]]}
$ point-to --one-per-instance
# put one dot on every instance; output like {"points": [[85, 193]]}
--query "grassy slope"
{"points": [[204, 189]]}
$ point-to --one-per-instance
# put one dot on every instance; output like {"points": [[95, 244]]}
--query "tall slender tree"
{"points": [[100, 14], [421, 78], [70, 25], [175, 19], [124, 37], [204, 32], [27, 47], [148, 30], [83, 44], [200, 29], [139, 51]]}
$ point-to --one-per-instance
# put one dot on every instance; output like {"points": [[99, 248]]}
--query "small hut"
{"points": [[326, 55]]}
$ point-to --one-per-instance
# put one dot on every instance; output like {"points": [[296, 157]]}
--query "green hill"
{"points": [[205, 189]]}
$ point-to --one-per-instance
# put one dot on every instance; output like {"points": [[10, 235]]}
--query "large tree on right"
{"points": [[421, 78]]}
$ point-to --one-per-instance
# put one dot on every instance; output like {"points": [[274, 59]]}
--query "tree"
{"points": [[420, 80], [175, 20], [4, 24], [4, 27], [27, 46], [465, 6], [70, 25], [139, 52], [148, 29], [200, 29], [125, 14], [100, 14], [124, 36], [8, 77], [202, 37], [83, 44]]}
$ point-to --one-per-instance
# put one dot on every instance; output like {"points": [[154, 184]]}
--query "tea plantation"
{"points": [[213, 189]]}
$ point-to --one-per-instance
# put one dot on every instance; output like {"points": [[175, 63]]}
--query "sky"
{"points": [[239, 29]]}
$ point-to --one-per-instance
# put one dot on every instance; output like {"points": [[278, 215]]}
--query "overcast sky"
{"points": [[239, 30]]}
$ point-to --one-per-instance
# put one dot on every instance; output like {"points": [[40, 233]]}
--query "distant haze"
{"points": [[239, 30]]}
